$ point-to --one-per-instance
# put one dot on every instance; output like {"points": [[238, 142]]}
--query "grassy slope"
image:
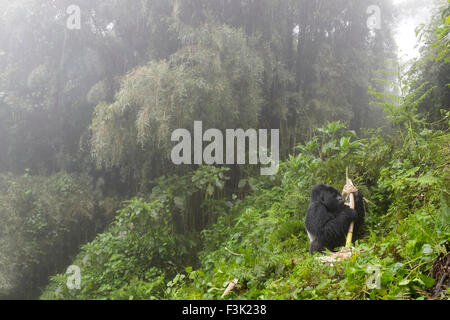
{"points": [[406, 181]]}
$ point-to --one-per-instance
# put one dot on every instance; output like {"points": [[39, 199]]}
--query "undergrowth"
{"points": [[261, 241]]}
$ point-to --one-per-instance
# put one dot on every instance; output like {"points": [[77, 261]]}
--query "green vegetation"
{"points": [[256, 240], [86, 118], [44, 220]]}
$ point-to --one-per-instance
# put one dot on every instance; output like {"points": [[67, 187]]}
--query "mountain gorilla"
{"points": [[328, 218]]}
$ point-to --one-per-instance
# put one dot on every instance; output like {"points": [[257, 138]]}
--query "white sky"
{"points": [[405, 34]]}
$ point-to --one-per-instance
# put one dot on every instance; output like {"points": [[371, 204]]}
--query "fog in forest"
{"points": [[160, 149]]}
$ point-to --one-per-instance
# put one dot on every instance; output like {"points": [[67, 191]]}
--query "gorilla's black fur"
{"points": [[328, 218]]}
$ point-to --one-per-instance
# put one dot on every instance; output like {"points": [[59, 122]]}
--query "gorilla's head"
{"points": [[328, 196]]}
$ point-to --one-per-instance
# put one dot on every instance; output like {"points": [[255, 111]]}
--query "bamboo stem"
{"points": [[349, 189], [233, 253], [229, 288]]}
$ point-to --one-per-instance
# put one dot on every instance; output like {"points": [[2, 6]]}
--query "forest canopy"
{"points": [[91, 92]]}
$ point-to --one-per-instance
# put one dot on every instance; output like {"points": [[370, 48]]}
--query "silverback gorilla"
{"points": [[328, 218]]}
